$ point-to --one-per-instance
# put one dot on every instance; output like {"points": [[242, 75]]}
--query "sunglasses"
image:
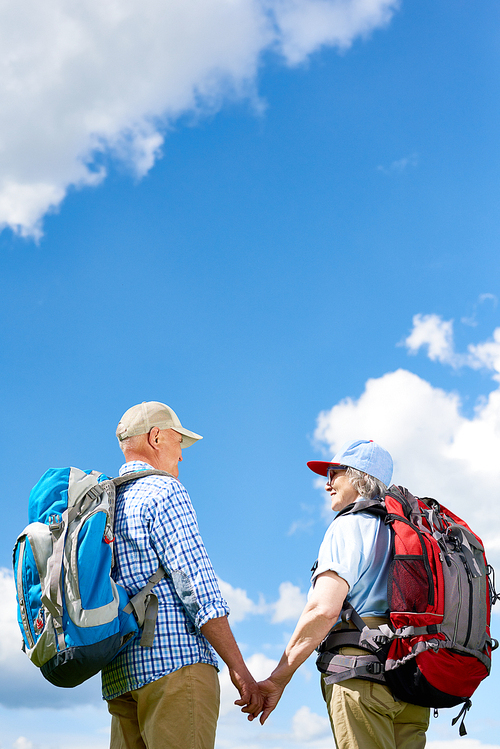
{"points": [[330, 473]]}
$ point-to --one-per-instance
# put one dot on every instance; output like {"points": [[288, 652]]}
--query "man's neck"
{"points": [[131, 455]]}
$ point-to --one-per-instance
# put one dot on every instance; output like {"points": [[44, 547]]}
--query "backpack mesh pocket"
{"points": [[409, 585]]}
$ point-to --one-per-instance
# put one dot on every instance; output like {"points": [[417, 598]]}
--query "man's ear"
{"points": [[153, 437]]}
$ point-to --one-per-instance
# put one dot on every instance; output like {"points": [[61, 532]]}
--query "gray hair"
{"points": [[367, 486], [131, 443]]}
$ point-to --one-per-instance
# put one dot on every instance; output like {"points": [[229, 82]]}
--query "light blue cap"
{"points": [[364, 455]]}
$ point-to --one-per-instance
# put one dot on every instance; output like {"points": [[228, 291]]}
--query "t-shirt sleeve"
{"points": [[343, 549]]}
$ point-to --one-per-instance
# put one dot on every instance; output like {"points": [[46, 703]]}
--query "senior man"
{"points": [[352, 566], [167, 696]]}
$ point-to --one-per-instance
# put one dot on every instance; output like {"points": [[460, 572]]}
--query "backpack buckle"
{"points": [[56, 525], [374, 668], [109, 536]]}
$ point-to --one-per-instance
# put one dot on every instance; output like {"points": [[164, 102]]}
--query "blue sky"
{"points": [[282, 220]]}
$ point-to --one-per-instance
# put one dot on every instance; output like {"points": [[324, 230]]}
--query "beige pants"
{"points": [[365, 715], [178, 711]]}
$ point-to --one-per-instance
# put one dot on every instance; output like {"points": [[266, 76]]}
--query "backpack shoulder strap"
{"points": [[373, 506], [134, 475], [110, 486]]}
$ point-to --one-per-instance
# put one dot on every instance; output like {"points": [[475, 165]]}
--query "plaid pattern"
{"points": [[155, 523]]}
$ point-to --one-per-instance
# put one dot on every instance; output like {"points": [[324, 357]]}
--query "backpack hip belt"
{"points": [[354, 632]]}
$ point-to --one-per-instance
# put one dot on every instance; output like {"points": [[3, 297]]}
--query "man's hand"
{"points": [[271, 692], [219, 635], [251, 699]]}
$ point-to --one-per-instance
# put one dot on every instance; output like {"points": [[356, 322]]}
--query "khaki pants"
{"points": [[365, 715], [178, 711]]}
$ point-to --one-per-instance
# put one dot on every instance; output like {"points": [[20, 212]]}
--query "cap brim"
{"points": [[321, 466], [188, 437]]}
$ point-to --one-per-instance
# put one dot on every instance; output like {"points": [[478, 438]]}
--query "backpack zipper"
{"points": [[450, 560], [21, 596], [460, 598], [75, 533], [458, 550], [471, 598]]}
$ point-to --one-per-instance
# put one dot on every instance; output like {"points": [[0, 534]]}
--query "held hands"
{"points": [[257, 698], [271, 692], [251, 700]]}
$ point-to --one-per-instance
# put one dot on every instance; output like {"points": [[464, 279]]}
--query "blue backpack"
{"points": [[73, 617]]}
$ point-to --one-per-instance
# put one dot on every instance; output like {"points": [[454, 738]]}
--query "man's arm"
{"points": [[319, 615], [177, 541], [219, 635]]}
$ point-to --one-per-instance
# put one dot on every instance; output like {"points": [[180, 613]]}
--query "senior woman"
{"points": [[353, 565]]}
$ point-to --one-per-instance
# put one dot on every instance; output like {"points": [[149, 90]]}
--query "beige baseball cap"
{"points": [[142, 418]]}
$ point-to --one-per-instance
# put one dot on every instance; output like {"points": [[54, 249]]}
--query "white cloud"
{"points": [[305, 25], [436, 334], [82, 82], [472, 319], [23, 743], [290, 603], [437, 452], [300, 526], [400, 165], [308, 726], [487, 355], [288, 607], [239, 603]]}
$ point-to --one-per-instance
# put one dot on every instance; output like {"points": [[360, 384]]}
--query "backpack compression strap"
{"points": [[145, 607]]}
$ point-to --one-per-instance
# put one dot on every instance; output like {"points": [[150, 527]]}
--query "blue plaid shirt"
{"points": [[155, 524]]}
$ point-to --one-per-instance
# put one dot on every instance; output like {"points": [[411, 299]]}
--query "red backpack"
{"points": [[438, 646]]}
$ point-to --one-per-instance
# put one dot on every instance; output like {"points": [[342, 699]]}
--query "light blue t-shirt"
{"points": [[357, 547]]}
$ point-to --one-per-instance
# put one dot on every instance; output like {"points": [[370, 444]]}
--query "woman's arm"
{"points": [[319, 616]]}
